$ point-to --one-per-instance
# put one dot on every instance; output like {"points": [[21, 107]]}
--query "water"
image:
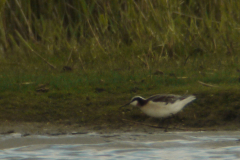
{"points": [[175, 145]]}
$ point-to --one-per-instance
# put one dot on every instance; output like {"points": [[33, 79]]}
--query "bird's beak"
{"points": [[125, 105]]}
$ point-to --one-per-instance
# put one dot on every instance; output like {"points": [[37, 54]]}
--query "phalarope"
{"points": [[161, 106]]}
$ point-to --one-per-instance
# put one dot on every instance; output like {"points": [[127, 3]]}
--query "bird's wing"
{"points": [[167, 98]]}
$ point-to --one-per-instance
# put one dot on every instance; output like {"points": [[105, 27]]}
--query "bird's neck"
{"points": [[141, 102]]}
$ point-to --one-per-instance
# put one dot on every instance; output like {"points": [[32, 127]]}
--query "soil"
{"points": [[34, 128]]}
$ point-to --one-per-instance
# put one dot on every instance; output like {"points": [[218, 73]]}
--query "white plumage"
{"points": [[162, 106]]}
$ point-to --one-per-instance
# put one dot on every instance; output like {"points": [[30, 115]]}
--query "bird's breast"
{"points": [[157, 109]]}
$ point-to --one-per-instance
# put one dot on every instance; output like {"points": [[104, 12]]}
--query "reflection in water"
{"points": [[127, 146]]}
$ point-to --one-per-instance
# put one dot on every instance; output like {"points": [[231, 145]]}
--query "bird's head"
{"points": [[135, 101]]}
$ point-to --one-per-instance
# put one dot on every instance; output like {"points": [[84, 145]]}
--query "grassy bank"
{"points": [[78, 61], [70, 98]]}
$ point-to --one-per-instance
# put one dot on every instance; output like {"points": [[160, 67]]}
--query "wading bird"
{"points": [[161, 106]]}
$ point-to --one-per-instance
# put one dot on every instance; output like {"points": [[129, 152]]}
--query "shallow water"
{"points": [[175, 145]]}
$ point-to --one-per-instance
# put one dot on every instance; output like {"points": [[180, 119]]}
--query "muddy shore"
{"points": [[64, 113], [50, 129], [25, 134]]}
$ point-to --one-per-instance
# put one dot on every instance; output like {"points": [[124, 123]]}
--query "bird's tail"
{"points": [[186, 99]]}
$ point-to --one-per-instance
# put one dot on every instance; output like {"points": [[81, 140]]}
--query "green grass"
{"points": [[116, 50]]}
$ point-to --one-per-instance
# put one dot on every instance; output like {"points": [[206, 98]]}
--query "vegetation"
{"points": [[78, 61]]}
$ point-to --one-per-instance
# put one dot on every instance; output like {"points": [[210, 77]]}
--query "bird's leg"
{"points": [[168, 121], [166, 129], [172, 117], [161, 122]]}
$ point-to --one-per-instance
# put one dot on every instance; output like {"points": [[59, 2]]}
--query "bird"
{"points": [[161, 105]]}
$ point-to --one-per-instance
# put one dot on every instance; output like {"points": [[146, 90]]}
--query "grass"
{"points": [[96, 98], [77, 61]]}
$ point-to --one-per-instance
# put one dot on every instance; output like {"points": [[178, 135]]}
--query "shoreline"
{"points": [[14, 135], [65, 113], [51, 129]]}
